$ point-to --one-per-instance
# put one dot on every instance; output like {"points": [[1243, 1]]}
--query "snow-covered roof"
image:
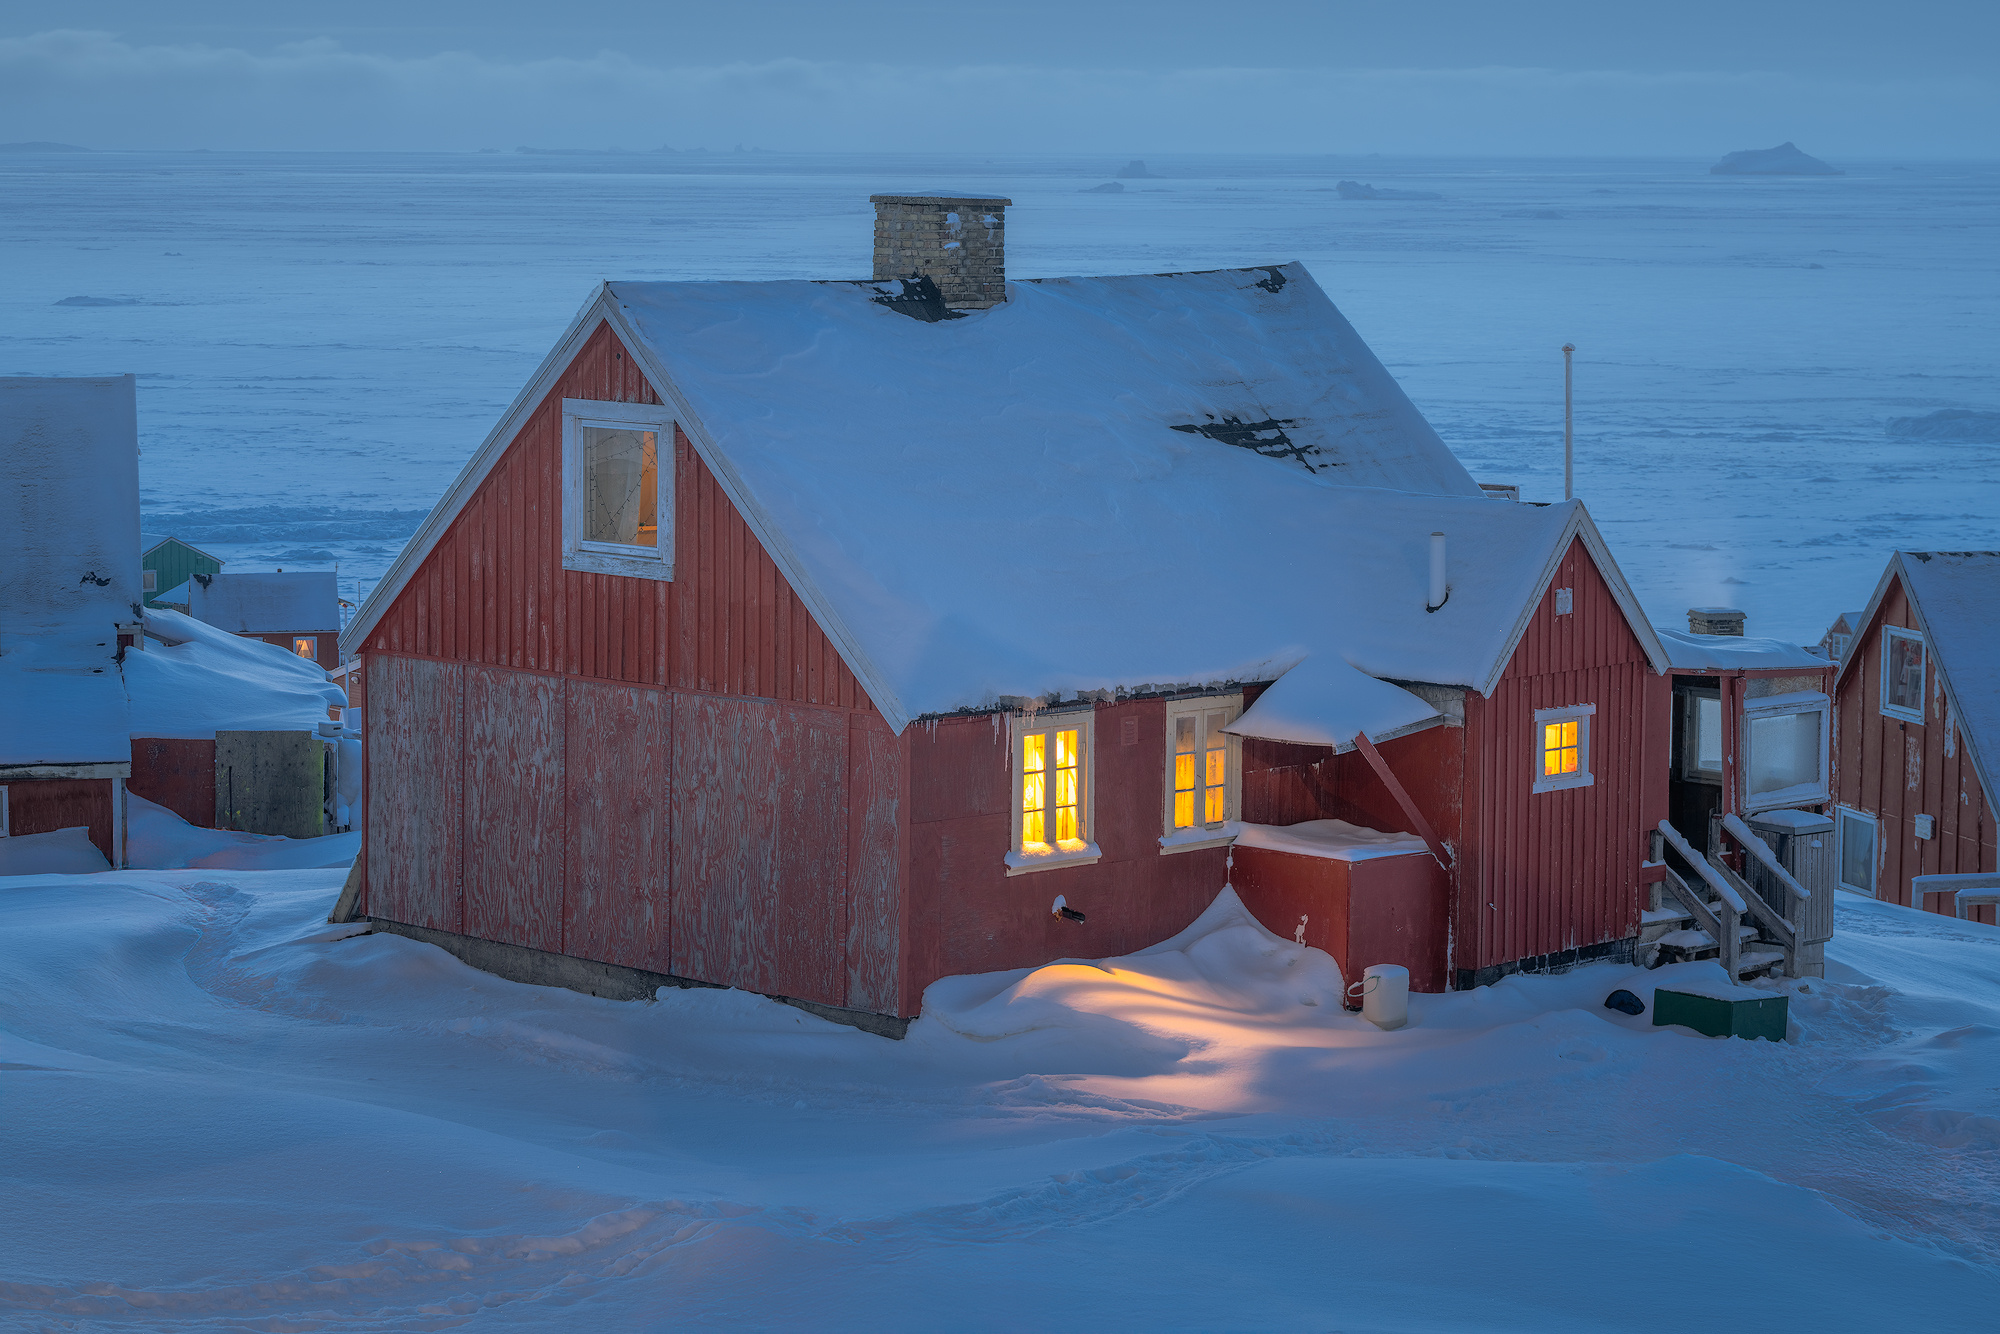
{"points": [[1956, 596], [195, 678], [57, 710], [1178, 478], [151, 542], [1690, 652], [279, 603]]}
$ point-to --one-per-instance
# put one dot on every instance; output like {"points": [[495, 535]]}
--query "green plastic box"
{"points": [[1748, 1016]]}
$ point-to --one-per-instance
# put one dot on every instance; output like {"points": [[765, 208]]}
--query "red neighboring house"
{"points": [[1917, 704], [297, 611], [826, 638]]}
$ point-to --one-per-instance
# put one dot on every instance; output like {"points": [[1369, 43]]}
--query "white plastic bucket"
{"points": [[1384, 990]]}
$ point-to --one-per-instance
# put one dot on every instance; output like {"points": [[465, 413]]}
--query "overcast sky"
{"points": [[1693, 77]]}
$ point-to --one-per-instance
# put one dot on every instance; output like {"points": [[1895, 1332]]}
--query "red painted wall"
{"points": [[42, 805], [1379, 910], [1540, 873], [680, 776], [1896, 770], [176, 773], [328, 645]]}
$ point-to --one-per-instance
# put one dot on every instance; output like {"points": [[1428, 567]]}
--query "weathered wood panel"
{"points": [[176, 773], [1895, 770], [43, 805], [759, 846], [415, 757], [514, 807], [619, 742], [1542, 873], [874, 864]]}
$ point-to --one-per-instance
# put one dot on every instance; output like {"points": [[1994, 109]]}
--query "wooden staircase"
{"points": [[1714, 913]]}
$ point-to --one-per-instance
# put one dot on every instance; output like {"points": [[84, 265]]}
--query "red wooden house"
{"points": [[827, 638], [1917, 739]]}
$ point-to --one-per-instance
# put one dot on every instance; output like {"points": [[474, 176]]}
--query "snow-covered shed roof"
{"points": [[1174, 478], [1690, 652], [278, 603], [194, 678], [1956, 597]]}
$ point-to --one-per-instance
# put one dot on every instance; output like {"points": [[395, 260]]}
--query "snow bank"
{"points": [[194, 678], [1334, 839], [58, 852], [158, 839]]}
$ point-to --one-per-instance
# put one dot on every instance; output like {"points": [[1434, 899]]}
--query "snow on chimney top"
{"points": [[957, 241]]}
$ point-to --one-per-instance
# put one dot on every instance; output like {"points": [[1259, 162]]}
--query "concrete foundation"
{"points": [[271, 783]]}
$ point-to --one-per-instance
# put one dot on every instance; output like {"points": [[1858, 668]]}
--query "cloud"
{"points": [[96, 89]]}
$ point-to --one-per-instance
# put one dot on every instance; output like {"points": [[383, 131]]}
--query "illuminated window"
{"points": [[1562, 747], [1903, 674], [1203, 771], [1052, 782], [618, 488], [306, 646]]}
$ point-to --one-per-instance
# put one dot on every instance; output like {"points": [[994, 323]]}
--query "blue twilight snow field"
{"points": [[322, 339]]}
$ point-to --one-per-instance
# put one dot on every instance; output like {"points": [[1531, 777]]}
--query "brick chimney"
{"points": [[1715, 620], [959, 242]]}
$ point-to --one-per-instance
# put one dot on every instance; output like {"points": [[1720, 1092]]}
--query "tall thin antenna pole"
{"points": [[1569, 422]]}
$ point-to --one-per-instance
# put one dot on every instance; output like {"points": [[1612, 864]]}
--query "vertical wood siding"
{"points": [[617, 747], [416, 761], [760, 846], [176, 773], [44, 805], [874, 865], [1897, 770], [1546, 872], [514, 808], [494, 590]]}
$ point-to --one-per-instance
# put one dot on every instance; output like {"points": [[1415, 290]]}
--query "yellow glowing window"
{"points": [[1201, 768], [1560, 750], [1052, 811], [306, 646]]}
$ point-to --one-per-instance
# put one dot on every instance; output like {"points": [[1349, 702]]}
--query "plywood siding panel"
{"points": [[176, 773], [618, 743], [874, 866], [759, 846], [514, 807], [416, 769], [44, 805]]}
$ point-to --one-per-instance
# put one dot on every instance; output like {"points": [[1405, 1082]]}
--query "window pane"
{"points": [[1034, 792], [1217, 764], [1904, 686], [1183, 773], [1065, 787], [1707, 733], [1184, 737], [1065, 750], [621, 481], [1032, 752], [1033, 833], [1784, 751], [1857, 854], [1215, 812], [1183, 810]]}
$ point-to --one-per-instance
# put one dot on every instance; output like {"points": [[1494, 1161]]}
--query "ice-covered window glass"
{"points": [[1701, 745], [1903, 674], [1784, 751], [1562, 747], [621, 482], [1051, 790], [1857, 851]]}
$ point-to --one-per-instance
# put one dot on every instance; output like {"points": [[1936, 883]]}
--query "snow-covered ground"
{"points": [[220, 1113], [322, 339]]}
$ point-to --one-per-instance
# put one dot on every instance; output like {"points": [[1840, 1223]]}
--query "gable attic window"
{"points": [[1785, 750], [1562, 747], [1204, 773], [618, 491], [1902, 674], [1054, 816]]}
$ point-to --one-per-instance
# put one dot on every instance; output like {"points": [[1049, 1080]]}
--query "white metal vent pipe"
{"points": [[1438, 590]]}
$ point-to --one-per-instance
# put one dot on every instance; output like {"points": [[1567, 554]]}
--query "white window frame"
{"points": [[309, 639], [149, 581], [1691, 769], [656, 562], [1842, 814], [1084, 723], [1581, 714], [1891, 633], [1799, 794], [1204, 835]]}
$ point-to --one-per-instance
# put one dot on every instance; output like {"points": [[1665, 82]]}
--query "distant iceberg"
{"points": [[1784, 160], [1135, 170], [1356, 190], [1108, 188], [1948, 424]]}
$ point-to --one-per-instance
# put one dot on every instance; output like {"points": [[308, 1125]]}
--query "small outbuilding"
{"points": [[166, 562], [298, 611]]}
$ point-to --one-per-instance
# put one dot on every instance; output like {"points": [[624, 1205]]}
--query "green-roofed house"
{"points": [[168, 562]]}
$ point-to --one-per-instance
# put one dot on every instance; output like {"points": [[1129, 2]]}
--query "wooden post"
{"points": [[1569, 453], [1403, 799]]}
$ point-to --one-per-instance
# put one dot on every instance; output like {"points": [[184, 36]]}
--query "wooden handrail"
{"points": [[1723, 889], [1758, 848]]}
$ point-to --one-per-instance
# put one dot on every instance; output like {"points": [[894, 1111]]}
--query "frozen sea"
{"points": [[322, 339]]}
